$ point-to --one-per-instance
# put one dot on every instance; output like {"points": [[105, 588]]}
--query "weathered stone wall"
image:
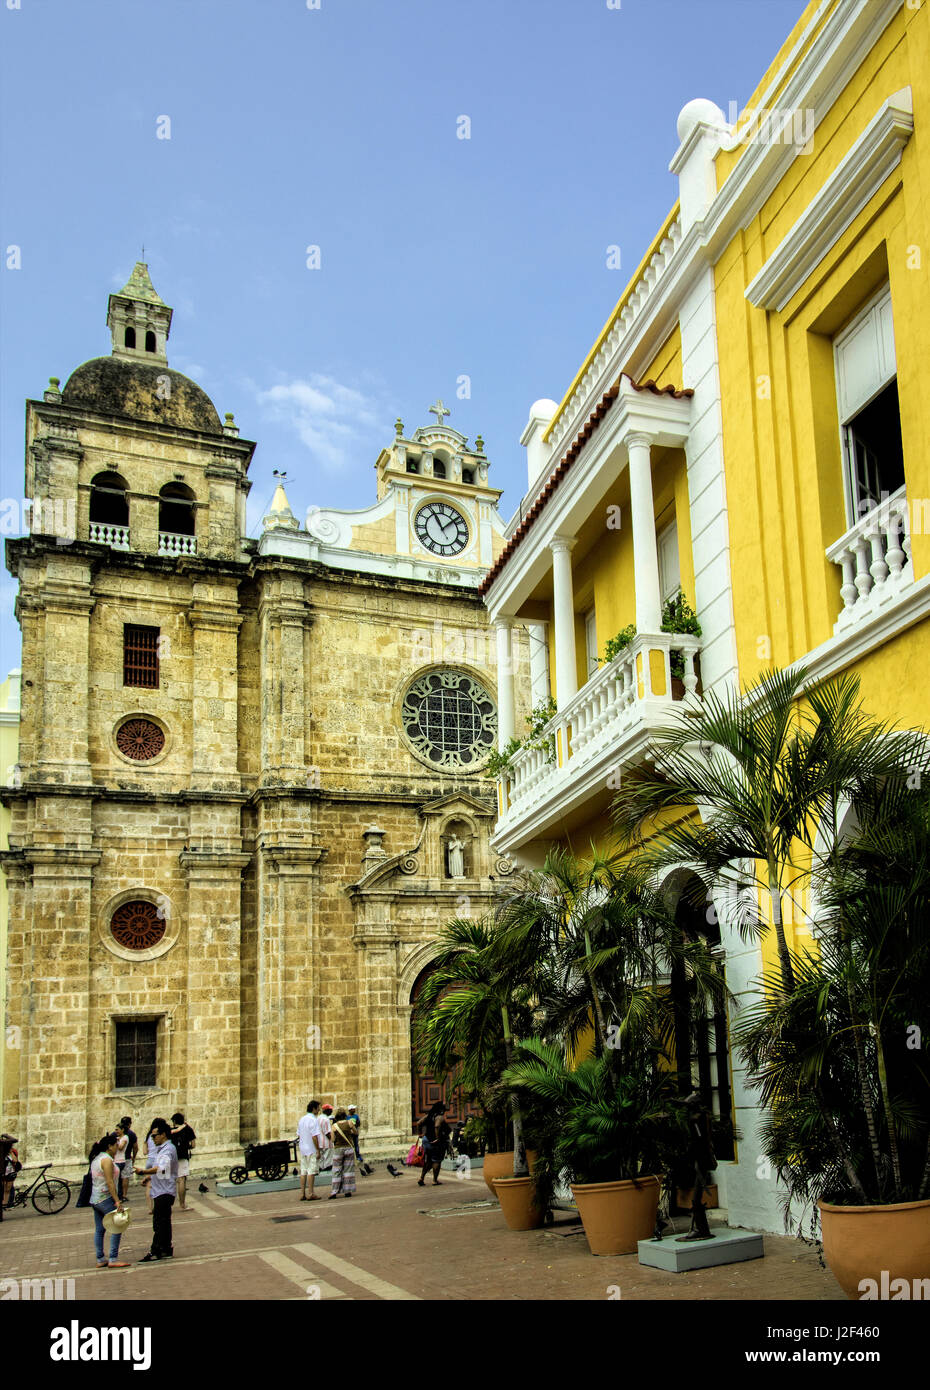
{"points": [[291, 942]]}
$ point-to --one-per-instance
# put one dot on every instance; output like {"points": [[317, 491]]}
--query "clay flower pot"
{"points": [[878, 1243], [517, 1197], [616, 1215], [500, 1165]]}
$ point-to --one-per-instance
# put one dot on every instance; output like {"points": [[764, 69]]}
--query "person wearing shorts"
{"points": [[182, 1137], [309, 1143]]}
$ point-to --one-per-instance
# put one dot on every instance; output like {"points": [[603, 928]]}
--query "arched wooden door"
{"points": [[426, 1090]]}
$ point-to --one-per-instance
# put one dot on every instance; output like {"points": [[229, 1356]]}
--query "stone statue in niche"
{"points": [[455, 857]]}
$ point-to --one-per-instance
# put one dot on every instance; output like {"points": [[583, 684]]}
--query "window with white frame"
{"points": [[590, 641], [867, 400], [669, 564]]}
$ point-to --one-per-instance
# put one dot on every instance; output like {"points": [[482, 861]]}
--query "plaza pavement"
{"points": [[392, 1241]]}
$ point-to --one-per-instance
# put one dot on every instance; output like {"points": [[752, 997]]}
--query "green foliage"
{"points": [[839, 1060], [677, 616], [615, 645], [499, 760], [830, 1046], [608, 1125]]}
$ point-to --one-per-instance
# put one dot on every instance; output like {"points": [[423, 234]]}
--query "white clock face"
{"points": [[441, 528]]}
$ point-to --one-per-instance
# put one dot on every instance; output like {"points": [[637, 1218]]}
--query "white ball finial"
{"points": [[700, 111]]}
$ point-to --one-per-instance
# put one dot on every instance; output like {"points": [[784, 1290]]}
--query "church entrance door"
{"points": [[426, 1090]]}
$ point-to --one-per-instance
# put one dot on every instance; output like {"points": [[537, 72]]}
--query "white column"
{"points": [[539, 663], [505, 716], [566, 670], [645, 551]]}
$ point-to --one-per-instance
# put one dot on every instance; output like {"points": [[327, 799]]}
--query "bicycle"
{"points": [[49, 1195]]}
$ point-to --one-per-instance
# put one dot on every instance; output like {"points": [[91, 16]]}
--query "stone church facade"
{"points": [[250, 773]]}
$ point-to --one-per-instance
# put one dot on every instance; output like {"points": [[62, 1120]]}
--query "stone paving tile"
{"points": [[445, 1244]]}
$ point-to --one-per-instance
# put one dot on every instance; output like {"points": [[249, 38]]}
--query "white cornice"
{"points": [[832, 55], [853, 182], [834, 655]]}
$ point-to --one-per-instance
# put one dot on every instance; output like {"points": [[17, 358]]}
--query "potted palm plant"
{"points": [[839, 1061], [848, 1101], [614, 1134], [463, 1021]]}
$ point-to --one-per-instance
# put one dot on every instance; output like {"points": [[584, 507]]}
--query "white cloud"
{"points": [[329, 418]]}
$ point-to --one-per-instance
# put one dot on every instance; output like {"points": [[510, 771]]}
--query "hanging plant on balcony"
{"points": [[499, 759], [677, 616]]}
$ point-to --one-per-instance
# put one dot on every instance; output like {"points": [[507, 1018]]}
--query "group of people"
{"points": [[329, 1140], [164, 1173], [9, 1167]]}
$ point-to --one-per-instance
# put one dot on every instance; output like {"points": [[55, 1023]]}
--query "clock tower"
{"points": [[437, 486]]}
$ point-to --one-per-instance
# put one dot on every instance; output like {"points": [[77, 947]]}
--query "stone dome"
{"points": [[137, 390]]}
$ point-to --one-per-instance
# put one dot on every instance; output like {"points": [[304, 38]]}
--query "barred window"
{"points": [[140, 656], [136, 1054]]}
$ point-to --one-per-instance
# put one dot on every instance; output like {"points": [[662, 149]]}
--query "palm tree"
{"points": [[465, 1015], [606, 938], [607, 1125], [840, 1060], [765, 772]]}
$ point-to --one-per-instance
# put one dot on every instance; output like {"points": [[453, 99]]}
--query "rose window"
{"points": [[140, 739], [450, 719], [137, 926]]}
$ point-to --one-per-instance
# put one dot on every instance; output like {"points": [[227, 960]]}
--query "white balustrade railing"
{"points": [[170, 544], [875, 558], [624, 693], [116, 537]]}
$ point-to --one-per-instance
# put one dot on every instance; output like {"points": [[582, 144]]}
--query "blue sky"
{"points": [[337, 127]]}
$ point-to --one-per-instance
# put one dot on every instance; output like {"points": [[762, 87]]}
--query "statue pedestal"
{"points": [[727, 1247]]}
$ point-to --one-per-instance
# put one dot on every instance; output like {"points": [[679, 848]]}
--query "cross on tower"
{"points": [[439, 410]]}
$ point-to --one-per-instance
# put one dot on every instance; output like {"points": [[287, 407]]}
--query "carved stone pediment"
{"points": [[458, 803]]}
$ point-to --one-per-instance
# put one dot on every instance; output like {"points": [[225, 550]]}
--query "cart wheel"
{"points": [[238, 1175], [272, 1171]]}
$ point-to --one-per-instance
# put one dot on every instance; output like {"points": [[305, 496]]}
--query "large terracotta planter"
{"points": [[501, 1166], [616, 1215], [517, 1197], [881, 1243]]}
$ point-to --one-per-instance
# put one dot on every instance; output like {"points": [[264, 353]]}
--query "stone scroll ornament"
{"points": [[450, 719], [137, 926], [140, 739]]}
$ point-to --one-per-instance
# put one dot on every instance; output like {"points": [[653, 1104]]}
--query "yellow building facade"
{"points": [[749, 430]]}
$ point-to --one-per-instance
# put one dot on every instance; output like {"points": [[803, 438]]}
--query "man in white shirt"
{"points": [[309, 1140]]}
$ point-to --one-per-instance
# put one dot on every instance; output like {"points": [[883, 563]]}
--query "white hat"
{"points": [[352, 1107], [117, 1221]]}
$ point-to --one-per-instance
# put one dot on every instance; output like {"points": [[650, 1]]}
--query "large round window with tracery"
{"points": [[140, 739], [137, 926], [450, 719]]}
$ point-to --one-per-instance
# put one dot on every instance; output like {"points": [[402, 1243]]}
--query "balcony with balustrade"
{"points": [[874, 556], [174, 545], [104, 533], [575, 764]]}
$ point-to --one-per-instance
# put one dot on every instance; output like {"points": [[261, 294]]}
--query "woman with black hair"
{"points": [[105, 1197], [435, 1141]]}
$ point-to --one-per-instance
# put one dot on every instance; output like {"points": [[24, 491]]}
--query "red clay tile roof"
{"points": [[578, 443]]}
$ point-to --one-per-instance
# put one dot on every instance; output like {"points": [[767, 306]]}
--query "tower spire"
{"points": [[139, 320]]}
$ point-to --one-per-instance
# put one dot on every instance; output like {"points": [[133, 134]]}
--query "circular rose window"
{"points": [[450, 719], [137, 926], [140, 739]]}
